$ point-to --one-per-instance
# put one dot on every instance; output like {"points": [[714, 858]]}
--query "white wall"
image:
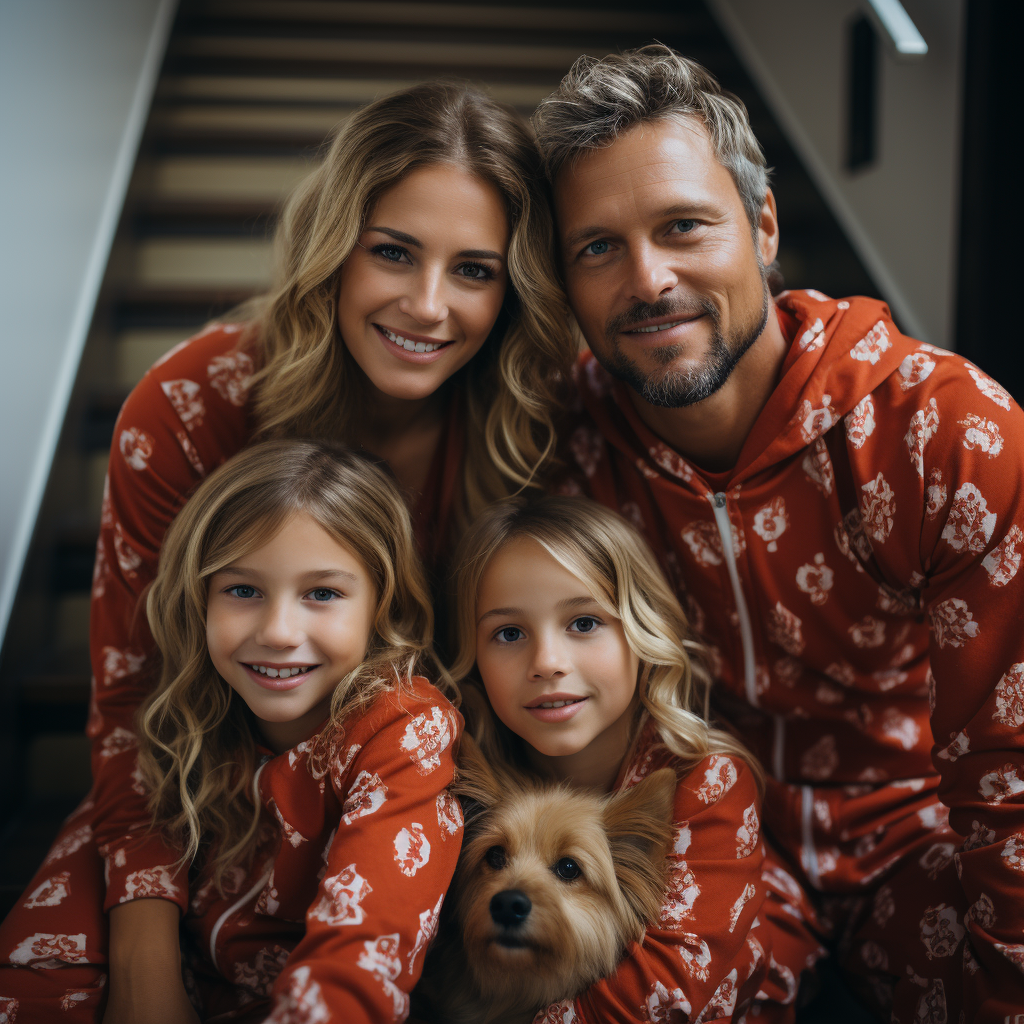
{"points": [[901, 213], [76, 77]]}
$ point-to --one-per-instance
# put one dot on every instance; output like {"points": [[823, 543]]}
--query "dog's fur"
{"points": [[480, 970]]}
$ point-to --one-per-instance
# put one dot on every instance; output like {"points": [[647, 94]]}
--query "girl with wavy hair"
{"points": [[295, 750], [414, 313], [579, 665]]}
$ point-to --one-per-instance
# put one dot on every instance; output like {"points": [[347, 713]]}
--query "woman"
{"points": [[415, 313]]}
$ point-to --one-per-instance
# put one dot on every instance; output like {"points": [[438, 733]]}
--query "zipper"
{"points": [[808, 854]]}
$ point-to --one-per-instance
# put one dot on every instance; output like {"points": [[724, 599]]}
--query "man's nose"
{"points": [[425, 301], [650, 274]]}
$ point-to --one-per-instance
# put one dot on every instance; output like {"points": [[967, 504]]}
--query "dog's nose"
{"points": [[510, 908]]}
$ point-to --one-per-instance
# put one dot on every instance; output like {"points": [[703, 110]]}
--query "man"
{"points": [[846, 508]]}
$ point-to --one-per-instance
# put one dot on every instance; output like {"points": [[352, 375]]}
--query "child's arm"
{"points": [[698, 952], [387, 870]]}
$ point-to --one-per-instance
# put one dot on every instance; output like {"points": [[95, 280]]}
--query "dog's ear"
{"points": [[476, 779], [638, 823]]}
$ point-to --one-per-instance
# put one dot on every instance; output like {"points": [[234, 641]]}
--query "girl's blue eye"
{"points": [[584, 624], [597, 248], [510, 634], [242, 590], [323, 594]]}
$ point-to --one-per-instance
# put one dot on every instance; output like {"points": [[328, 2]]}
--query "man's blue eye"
{"points": [[242, 590], [597, 248], [685, 225], [510, 634], [584, 624]]}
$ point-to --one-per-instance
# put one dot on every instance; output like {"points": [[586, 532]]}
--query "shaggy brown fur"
{"points": [[551, 886]]}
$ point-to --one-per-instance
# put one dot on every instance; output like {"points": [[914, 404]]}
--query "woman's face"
{"points": [[421, 291]]}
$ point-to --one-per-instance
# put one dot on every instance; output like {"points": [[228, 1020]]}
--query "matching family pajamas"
{"points": [[856, 577]]}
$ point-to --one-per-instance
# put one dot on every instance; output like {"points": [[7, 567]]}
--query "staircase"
{"points": [[248, 92]]}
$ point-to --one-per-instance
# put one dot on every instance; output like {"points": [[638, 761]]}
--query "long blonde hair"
{"points": [[612, 560], [306, 384], [197, 749]]}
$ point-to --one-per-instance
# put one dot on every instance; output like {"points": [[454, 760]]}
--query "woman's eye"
{"points": [[475, 271], [242, 590], [584, 624], [391, 253], [323, 594], [510, 634], [496, 858], [567, 869], [684, 226], [596, 249]]}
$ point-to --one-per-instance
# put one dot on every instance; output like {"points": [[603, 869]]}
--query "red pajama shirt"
{"points": [[856, 577]]}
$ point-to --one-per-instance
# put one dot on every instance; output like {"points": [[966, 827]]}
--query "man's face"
{"points": [[661, 266]]}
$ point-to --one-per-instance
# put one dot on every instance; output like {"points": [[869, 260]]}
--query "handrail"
{"points": [[897, 28]]}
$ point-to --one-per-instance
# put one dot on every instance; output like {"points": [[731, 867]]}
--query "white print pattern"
{"points": [[869, 632], [696, 956], [813, 337], [953, 623], [970, 524], [877, 507], [340, 766], [117, 741], [428, 927], [680, 896], [820, 760], [558, 1013], [788, 670], [934, 816], [100, 570], [259, 976], [958, 745], [128, 559], [69, 844], [770, 522], [941, 932], [719, 777], [1013, 852], [990, 389], [1003, 561], [681, 839], [8, 1010], [586, 446], [875, 958], [664, 1007], [49, 951], [884, 906], [783, 977], [117, 664], [671, 461], [749, 892], [231, 376], [155, 882], [412, 849], [815, 422], [931, 1007], [889, 678], [702, 539], [1004, 782], [924, 425], [1014, 953], [631, 511], [980, 836], [136, 446], [784, 629], [900, 728], [935, 494], [860, 423], [817, 464], [190, 452], [72, 996], [50, 893], [339, 903], [302, 1002], [449, 814], [842, 672], [185, 397], [828, 693], [747, 833], [366, 795], [981, 434], [870, 348], [723, 1002], [426, 738], [1010, 697], [937, 858], [982, 913], [915, 369], [381, 959]]}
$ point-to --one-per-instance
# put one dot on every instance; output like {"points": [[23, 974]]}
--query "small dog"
{"points": [[551, 886]]}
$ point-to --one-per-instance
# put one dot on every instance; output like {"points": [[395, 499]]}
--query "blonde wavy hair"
{"points": [[197, 747], [615, 564], [307, 383]]}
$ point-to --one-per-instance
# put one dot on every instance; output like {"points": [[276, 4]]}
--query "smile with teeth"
{"points": [[409, 346], [559, 703], [281, 673], [656, 327]]}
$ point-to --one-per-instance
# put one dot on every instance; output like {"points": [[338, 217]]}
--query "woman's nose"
{"points": [[425, 301]]}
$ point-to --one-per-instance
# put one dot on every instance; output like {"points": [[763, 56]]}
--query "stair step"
{"points": [[235, 179], [212, 262], [185, 308], [135, 351]]}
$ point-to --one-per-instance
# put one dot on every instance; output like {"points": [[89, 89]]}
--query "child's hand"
{"points": [[145, 966]]}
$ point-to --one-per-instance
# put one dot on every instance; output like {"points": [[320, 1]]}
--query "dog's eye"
{"points": [[495, 857], [567, 869]]}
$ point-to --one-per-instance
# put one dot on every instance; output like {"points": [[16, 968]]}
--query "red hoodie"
{"points": [[856, 576]]}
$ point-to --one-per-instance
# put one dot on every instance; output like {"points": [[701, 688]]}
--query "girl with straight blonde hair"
{"points": [[295, 751], [579, 666], [413, 312]]}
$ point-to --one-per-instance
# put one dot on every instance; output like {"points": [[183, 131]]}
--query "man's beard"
{"points": [[677, 389]]}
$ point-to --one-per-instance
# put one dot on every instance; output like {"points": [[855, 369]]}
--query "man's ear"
{"points": [[768, 230]]}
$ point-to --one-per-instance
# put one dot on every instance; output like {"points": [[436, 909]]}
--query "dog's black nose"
{"points": [[510, 908]]}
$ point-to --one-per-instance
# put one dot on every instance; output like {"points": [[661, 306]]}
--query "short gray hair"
{"points": [[599, 100]]}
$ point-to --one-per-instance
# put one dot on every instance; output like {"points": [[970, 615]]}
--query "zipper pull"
{"points": [[720, 499]]}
